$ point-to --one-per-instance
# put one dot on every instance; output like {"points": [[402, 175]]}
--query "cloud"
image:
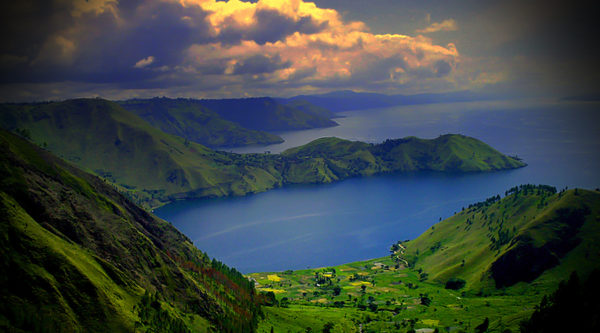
{"points": [[144, 62], [209, 47], [445, 25]]}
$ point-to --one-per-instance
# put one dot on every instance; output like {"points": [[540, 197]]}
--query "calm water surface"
{"points": [[318, 225]]}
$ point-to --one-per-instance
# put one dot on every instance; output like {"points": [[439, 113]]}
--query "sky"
{"points": [[118, 49]]}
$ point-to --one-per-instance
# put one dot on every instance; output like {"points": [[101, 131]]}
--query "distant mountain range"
{"points": [[229, 122], [347, 100]]}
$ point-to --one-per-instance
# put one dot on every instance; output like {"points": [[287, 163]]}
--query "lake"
{"points": [[319, 225]]}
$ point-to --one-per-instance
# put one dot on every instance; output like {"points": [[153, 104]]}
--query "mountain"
{"points": [[77, 256], [154, 167], [485, 269], [346, 100], [189, 119], [268, 114], [309, 108]]}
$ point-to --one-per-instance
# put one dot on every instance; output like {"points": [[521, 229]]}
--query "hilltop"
{"points": [[494, 260], [154, 167], [191, 120], [268, 114], [79, 256]]}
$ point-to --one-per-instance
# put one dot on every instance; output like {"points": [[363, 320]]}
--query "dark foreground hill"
{"points": [[77, 256]]}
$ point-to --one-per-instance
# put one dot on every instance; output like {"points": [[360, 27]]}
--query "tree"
{"points": [[483, 327], [455, 283], [327, 327], [337, 290]]}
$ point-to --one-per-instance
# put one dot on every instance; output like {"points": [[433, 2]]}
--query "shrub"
{"points": [[455, 283]]}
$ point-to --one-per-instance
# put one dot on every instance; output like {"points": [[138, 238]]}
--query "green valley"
{"points": [[483, 269]]}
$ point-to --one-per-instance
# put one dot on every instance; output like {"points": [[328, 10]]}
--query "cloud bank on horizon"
{"points": [[205, 48]]}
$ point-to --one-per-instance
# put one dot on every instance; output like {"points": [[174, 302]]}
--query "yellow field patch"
{"points": [[273, 277], [347, 269], [430, 322], [327, 275], [276, 291], [358, 283]]}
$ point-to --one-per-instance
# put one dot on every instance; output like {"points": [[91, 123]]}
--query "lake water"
{"points": [[318, 225]]}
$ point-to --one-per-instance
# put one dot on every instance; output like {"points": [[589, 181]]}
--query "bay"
{"points": [[318, 225]]}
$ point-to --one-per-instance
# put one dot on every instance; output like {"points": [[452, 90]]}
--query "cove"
{"points": [[318, 225]]}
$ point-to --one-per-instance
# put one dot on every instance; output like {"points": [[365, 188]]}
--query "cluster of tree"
{"points": [[488, 202], [526, 189], [573, 307], [154, 318], [501, 238], [455, 283]]}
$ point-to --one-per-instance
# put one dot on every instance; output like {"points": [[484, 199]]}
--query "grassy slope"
{"points": [[78, 256], [154, 167], [397, 289], [189, 119], [530, 221]]}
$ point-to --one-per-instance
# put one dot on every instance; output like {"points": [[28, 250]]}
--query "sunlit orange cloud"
{"points": [[339, 51], [446, 25]]}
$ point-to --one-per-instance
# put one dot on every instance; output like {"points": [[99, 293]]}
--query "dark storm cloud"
{"points": [[105, 47], [259, 64], [269, 26]]}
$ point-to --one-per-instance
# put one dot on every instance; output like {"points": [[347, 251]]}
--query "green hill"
{"points": [[151, 166], [154, 167], [330, 159], [489, 265], [533, 233], [190, 120], [77, 256]]}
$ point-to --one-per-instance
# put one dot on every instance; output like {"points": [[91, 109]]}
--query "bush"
{"points": [[455, 283]]}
